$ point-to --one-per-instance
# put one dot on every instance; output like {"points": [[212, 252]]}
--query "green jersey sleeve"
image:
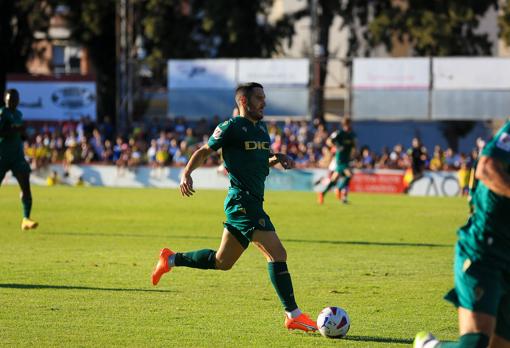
{"points": [[499, 146], [220, 136]]}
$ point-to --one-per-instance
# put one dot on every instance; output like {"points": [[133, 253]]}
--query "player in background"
{"points": [[345, 143], [12, 156], [482, 257], [245, 145], [418, 155]]}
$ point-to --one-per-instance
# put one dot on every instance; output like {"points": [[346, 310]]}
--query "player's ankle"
{"points": [[293, 314]]}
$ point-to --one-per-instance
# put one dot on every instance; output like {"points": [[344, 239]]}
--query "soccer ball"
{"points": [[333, 322]]}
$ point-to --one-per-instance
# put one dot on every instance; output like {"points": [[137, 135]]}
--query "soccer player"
{"points": [[418, 157], [482, 257], [345, 143], [245, 145], [11, 153]]}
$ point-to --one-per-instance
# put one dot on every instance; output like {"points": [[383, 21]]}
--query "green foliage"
{"points": [[93, 25], [434, 28], [19, 19], [504, 23], [83, 278], [209, 29]]}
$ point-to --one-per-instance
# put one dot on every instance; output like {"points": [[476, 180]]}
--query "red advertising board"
{"points": [[390, 181]]}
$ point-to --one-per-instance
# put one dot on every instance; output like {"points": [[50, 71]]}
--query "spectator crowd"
{"points": [[171, 142]]}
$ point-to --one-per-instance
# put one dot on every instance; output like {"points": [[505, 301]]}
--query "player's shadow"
{"points": [[379, 339], [359, 242], [72, 287], [308, 241]]}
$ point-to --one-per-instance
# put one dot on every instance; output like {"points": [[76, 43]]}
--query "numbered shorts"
{"points": [[16, 164], [245, 215], [484, 287]]}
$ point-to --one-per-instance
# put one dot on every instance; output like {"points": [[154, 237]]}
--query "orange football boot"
{"points": [[162, 266], [320, 197], [303, 322]]}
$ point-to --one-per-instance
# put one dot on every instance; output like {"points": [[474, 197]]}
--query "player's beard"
{"points": [[256, 116]]}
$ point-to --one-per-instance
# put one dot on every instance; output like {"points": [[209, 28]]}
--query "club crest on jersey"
{"points": [[504, 142], [244, 129], [256, 145], [217, 133]]}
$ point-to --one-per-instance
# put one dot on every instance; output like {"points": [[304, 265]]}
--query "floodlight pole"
{"points": [[316, 58], [124, 36]]}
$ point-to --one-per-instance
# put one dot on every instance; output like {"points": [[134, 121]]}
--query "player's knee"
{"points": [[223, 265]]}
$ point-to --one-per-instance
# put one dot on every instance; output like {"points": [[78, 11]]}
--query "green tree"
{"points": [[19, 19], [432, 27], [93, 25], [504, 23], [210, 29]]}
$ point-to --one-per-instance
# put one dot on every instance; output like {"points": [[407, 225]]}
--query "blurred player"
{"points": [[482, 257], [345, 143], [11, 153], [245, 145], [418, 156]]}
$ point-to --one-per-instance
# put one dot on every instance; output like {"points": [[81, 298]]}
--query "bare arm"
{"points": [[492, 173], [197, 159]]}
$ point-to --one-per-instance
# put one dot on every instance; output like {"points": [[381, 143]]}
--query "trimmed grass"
{"points": [[83, 278]]}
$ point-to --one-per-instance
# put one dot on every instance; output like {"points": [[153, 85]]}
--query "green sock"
{"points": [[203, 259], [282, 283], [27, 206], [472, 340], [329, 187], [344, 183]]}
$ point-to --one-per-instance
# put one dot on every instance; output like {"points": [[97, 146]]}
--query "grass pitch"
{"points": [[83, 278]]}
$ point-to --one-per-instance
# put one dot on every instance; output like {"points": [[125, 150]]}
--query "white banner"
{"points": [[274, 71], [471, 73], [55, 100], [202, 73], [391, 73]]}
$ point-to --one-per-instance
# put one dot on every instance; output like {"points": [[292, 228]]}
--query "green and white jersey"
{"points": [[245, 149], [11, 143], [344, 142], [488, 229]]}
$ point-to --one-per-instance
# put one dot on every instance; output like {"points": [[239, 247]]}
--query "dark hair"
{"points": [[246, 89], [13, 92]]}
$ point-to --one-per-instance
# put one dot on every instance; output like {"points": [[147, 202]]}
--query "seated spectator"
{"points": [[437, 161], [162, 156], [117, 149], [367, 159], [86, 154], [151, 154], [452, 160], [181, 156], [108, 152]]}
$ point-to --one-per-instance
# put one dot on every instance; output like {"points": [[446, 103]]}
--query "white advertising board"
{"points": [[202, 73], [471, 73], [55, 100], [391, 73], [274, 71]]}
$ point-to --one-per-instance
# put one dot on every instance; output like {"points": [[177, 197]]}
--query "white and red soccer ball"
{"points": [[333, 322]]}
